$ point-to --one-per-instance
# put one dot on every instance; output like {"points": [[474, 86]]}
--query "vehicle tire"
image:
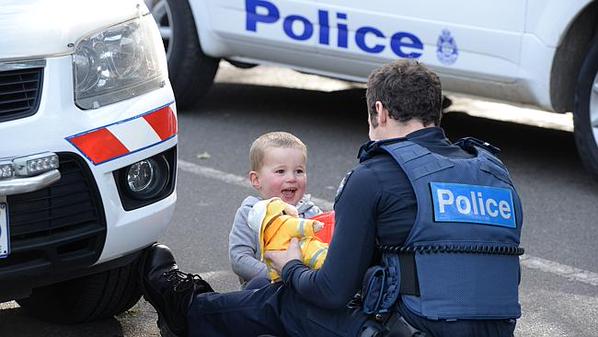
{"points": [[191, 72], [585, 110], [86, 299]]}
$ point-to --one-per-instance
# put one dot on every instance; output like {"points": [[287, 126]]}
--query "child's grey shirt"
{"points": [[243, 247]]}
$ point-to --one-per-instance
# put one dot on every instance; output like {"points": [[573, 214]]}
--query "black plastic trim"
{"points": [[60, 228], [12, 114], [130, 203]]}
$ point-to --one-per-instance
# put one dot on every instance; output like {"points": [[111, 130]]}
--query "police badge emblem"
{"points": [[341, 186], [446, 48]]}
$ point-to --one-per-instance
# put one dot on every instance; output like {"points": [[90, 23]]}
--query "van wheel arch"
{"points": [[569, 56]]}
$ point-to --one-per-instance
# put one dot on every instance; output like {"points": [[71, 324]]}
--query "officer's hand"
{"points": [[282, 257]]}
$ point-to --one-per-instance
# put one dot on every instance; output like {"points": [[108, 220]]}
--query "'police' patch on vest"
{"points": [[473, 203]]}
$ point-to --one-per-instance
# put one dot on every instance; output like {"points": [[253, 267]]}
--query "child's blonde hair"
{"points": [[277, 139]]}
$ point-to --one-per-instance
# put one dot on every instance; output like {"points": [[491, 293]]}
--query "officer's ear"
{"points": [[254, 179], [381, 113]]}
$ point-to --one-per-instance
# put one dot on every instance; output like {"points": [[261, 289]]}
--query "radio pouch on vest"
{"points": [[372, 289], [381, 286]]}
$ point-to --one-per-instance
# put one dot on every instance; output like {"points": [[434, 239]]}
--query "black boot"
{"points": [[169, 290]]}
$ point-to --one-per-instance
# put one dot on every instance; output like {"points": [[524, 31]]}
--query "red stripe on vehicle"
{"points": [[99, 146], [163, 122]]}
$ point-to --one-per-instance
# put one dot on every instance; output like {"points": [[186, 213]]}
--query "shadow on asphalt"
{"points": [[15, 322]]}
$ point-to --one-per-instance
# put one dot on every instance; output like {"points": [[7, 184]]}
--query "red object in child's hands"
{"points": [[327, 219]]}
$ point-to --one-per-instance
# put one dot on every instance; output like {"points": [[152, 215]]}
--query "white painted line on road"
{"points": [[532, 262], [208, 172], [232, 179], [216, 274], [563, 270]]}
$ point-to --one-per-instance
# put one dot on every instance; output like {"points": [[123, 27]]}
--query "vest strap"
{"points": [[409, 281]]}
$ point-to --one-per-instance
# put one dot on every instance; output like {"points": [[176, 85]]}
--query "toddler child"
{"points": [[278, 169]]}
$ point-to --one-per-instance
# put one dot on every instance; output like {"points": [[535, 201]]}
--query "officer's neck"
{"points": [[396, 129]]}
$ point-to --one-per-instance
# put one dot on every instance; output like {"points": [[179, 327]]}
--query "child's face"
{"points": [[282, 175]]}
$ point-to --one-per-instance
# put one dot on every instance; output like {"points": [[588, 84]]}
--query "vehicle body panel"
{"points": [[504, 49]]}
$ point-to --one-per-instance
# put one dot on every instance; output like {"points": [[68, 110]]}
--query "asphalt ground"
{"points": [[559, 290]]}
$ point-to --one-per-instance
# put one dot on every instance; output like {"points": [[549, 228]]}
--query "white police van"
{"points": [[88, 139], [538, 52]]}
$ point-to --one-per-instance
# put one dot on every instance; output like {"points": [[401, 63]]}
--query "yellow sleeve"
{"points": [[299, 227]]}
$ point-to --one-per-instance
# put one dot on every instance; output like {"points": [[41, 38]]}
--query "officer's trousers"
{"points": [[271, 310], [279, 311]]}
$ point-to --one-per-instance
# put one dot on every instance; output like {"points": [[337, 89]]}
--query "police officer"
{"points": [[427, 234]]}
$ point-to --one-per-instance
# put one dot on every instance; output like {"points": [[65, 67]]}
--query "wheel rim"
{"points": [[161, 12], [594, 109]]}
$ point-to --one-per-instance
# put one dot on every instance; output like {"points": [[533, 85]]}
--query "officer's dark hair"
{"points": [[408, 90]]}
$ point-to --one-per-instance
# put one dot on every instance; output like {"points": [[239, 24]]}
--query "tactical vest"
{"points": [[461, 255]]}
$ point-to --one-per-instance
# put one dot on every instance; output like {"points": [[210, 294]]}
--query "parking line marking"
{"points": [[572, 273], [528, 261], [216, 274]]}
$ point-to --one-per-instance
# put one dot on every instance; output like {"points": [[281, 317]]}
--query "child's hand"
{"points": [[291, 210], [318, 226]]}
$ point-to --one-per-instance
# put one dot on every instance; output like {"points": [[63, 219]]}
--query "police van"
{"points": [[535, 52], [88, 143]]}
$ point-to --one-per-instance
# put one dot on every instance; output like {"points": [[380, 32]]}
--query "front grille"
{"points": [[20, 92], [57, 228]]}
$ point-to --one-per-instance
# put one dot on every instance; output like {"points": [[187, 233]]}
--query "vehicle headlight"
{"points": [[118, 63]]}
